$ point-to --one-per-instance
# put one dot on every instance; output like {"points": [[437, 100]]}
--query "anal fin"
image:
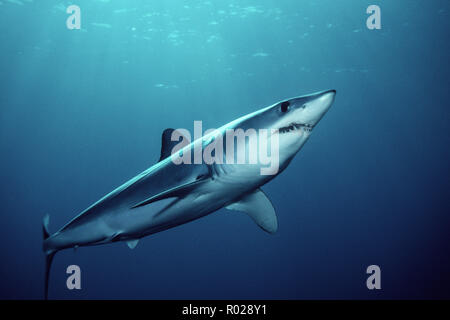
{"points": [[132, 243]]}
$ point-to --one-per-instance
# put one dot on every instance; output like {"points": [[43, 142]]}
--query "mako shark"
{"points": [[167, 194]]}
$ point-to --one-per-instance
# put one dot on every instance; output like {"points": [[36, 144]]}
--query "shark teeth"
{"points": [[295, 126]]}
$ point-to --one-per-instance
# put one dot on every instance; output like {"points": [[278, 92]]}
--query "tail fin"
{"points": [[48, 254]]}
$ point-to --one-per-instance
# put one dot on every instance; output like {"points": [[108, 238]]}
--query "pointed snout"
{"points": [[328, 94], [319, 104], [326, 99]]}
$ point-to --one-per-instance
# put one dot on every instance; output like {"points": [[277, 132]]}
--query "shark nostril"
{"points": [[285, 106]]}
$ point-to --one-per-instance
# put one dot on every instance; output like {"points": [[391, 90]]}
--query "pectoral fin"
{"points": [[259, 208], [171, 193]]}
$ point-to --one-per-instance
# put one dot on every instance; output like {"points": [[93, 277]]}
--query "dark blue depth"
{"points": [[82, 111]]}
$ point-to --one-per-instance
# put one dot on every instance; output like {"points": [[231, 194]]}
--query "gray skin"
{"points": [[167, 194]]}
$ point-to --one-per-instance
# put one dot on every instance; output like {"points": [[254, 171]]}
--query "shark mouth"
{"points": [[295, 126]]}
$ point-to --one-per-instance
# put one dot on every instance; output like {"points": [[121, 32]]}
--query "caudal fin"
{"points": [[48, 254]]}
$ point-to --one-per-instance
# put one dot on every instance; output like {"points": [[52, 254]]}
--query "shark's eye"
{"points": [[304, 106], [285, 106]]}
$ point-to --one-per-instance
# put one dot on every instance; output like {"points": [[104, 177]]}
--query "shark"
{"points": [[169, 194]]}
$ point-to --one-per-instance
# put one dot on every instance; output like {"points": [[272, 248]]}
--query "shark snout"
{"points": [[318, 105], [326, 99]]}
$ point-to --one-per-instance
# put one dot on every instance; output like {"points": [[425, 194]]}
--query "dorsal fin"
{"points": [[167, 144]]}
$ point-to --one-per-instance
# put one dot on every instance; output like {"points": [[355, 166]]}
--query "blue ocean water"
{"points": [[82, 111]]}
